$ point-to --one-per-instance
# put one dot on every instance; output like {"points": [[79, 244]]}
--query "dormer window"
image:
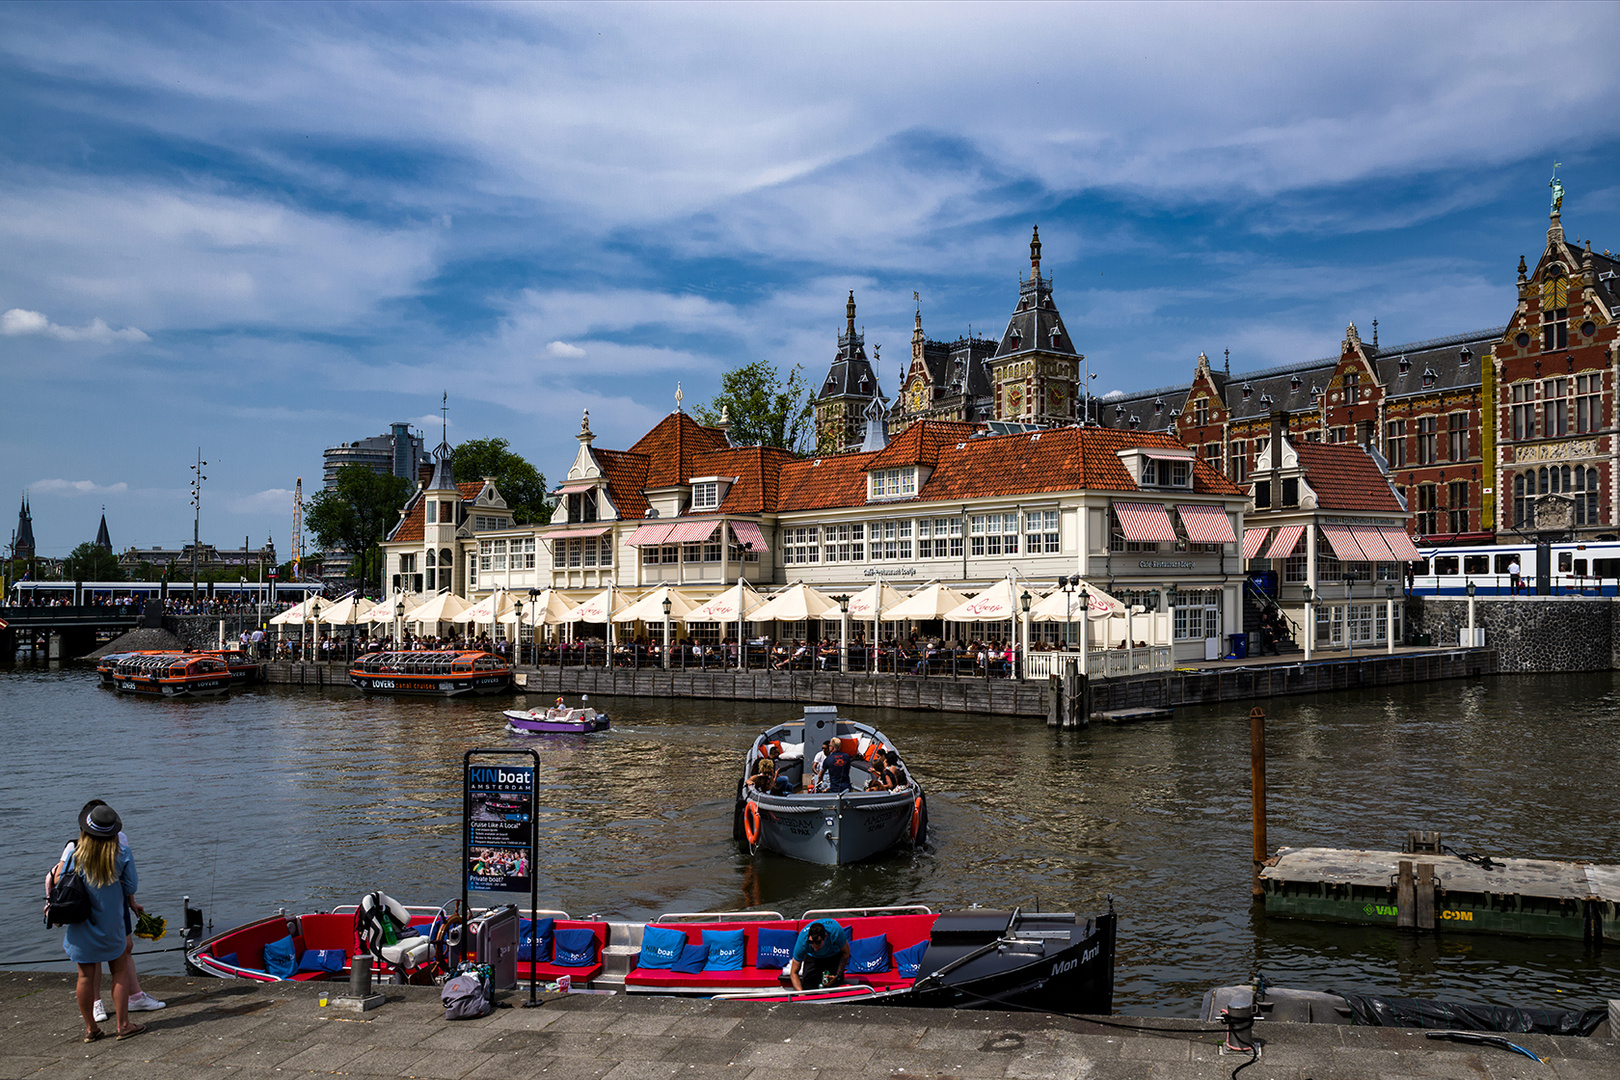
{"points": [[1265, 399], [1429, 377], [706, 496], [1158, 405], [1167, 472], [1136, 421], [1119, 412], [1465, 356], [1406, 365], [898, 483], [1247, 390], [582, 506], [1293, 384]]}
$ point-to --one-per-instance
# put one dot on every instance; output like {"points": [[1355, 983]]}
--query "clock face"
{"points": [[1055, 398], [919, 397], [1015, 400]]}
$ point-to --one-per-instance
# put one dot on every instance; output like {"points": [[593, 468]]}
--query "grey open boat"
{"points": [[826, 827]]}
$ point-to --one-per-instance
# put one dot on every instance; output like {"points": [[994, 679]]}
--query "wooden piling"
{"points": [[1423, 886], [1405, 896], [1257, 783]]}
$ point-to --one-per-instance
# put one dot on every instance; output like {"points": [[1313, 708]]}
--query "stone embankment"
{"points": [[218, 1028]]}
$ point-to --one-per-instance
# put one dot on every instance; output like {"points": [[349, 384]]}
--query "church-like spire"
{"points": [[103, 540], [1035, 254], [23, 545], [444, 477], [849, 314]]}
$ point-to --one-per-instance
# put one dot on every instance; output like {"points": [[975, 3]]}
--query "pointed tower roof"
{"points": [[444, 477], [851, 374], [1035, 323], [103, 541], [23, 545]]}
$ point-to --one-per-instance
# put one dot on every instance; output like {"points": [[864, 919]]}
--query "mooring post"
{"points": [[1405, 896], [1257, 780]]}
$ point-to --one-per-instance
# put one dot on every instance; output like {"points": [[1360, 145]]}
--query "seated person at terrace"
{"points": [[819, 955]]}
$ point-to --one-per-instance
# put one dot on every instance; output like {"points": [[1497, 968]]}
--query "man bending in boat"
{"points": [[819, 955]]}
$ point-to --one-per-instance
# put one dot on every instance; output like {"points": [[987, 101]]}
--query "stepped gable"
{"points": [[412, 528], [1345, 477], [670, 446], [824, 482], [757, 472]]}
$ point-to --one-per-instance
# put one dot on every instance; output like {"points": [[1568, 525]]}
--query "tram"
{"points": [[43, 593], [1574, 569]]}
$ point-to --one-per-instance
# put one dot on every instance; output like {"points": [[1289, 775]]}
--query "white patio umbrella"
{"points": [[731, 606], [1055, 606], [932, 601], [650, 608], [439, 609], [345, 611], [380, 612], [600, 609], [873, 602], [795, 603], [998, 603], [489, 609], [550, 607], [296, 615]]}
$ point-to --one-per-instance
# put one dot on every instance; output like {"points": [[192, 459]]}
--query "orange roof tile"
{"points": [[757, 470], [819, 483], [921, 443], [626, 475], [670, 446], [1345, 477], [412, 528]]}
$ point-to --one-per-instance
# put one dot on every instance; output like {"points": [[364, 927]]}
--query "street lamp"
{"points": [[667, 606], [1389, 617], [1471, 641], [315, 618], [1310, 622], [534, 632], [1023, 602], [399, 621], [843, 632], [517, 609]]}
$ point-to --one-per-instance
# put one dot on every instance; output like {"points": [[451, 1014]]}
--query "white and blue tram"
{"points": [[1574, 569], [101, 592]]}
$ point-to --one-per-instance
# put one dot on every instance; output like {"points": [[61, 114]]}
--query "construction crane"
{"points": [[298, 531]]}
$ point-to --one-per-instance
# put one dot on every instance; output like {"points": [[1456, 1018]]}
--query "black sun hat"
{"points": [[101, 821]]}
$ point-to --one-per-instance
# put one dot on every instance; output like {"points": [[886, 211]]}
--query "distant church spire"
{"points": [[103, 540], [1035, 254], [23, 545]]}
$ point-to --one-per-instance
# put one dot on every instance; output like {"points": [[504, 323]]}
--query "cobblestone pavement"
{"points": [[216, 1028]]}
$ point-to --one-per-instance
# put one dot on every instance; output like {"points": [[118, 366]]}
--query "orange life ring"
{"points": [[916, 817], [751, 821]]}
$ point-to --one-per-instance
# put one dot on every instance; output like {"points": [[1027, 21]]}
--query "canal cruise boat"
{"points": [[440, 673], [170, 674]]}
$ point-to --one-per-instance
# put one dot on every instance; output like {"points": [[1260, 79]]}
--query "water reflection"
{"points": [[283, 797]]}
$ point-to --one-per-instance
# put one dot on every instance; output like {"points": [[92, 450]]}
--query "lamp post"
{"points": [[1085, 629], [315, 618], [399, 621], [1389, 617], [667, 606], [1470, 615], [517, 609], [1023, 602], [843, 633], [1349, 645], [1310, 622], [197, 478], [534, 632]]}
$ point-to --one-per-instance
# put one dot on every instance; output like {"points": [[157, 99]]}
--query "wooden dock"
{"points": [[1445, 892]]}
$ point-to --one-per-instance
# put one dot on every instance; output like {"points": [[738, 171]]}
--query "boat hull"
{"points": [[432, 685], [206, 686], [540, 721], [834, 829]]}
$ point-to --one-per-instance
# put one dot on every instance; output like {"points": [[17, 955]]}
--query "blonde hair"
{"points": [[96, 857]]}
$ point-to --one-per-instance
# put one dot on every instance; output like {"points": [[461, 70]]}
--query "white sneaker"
{"points": [[99, 1011], [144, 1002]]}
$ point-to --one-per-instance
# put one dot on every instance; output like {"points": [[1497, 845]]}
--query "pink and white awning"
{"points": [[1344, 544], [648, 535], [1287, 540], [1253, 541], [1371, 541], [1145, 522], [570, 534], [748, 532], [575, 489], [1206, 524], [691, 532], [1400, 545]]}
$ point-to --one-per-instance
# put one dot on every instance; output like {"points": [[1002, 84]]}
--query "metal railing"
{"points": [[1101, 663]]}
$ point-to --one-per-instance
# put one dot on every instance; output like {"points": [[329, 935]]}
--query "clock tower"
{"points": [[1035, 372], [849, 389]]}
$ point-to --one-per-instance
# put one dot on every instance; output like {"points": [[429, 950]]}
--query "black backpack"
{"points": [[69, 902]]}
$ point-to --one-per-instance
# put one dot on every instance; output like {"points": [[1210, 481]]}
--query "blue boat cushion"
{"points": [[534, 940], [281, 958], [574, 948], [229, 960], [775, 947], [726, 948], [692, 959], [869, 955], [660, 946], [907, 961], [330, 960]]}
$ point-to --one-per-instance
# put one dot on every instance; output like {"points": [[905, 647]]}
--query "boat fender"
{"points": [[751, 821], [916, 818]]}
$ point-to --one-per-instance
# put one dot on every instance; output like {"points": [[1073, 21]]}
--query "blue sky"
{"points": [[267, 229]]}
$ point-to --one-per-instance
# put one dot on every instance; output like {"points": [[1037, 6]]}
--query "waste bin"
{"points": [[1240, 645], [1426, 640]]}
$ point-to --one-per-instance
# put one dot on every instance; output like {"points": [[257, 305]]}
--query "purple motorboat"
{"points": [[558, 718]]}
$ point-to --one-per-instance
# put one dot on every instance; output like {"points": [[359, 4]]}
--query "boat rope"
{"points": [[65, 960], [1484, 862], [1480, 1037], [793, 809]]}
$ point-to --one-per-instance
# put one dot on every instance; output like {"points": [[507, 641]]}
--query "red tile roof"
{"points": [[757, 470], [670, 446], [921, 443], [412, 528], [819, 483], [1345, 477], [626, 475]]}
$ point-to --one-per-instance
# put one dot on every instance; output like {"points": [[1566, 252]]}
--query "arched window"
{"points": [[1521, 499], [1554, 309], [1587, 510], [431, 573]]}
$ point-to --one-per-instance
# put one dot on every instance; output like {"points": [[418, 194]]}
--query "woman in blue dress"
{"points": [[109, 871]]}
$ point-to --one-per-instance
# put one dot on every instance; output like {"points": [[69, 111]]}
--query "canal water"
{"points": [[280, 797]]}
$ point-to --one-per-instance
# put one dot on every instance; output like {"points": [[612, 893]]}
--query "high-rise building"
{"points": [[398, 452]]}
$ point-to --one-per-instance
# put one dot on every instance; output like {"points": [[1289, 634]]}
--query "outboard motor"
{"points": [[193, 930]]}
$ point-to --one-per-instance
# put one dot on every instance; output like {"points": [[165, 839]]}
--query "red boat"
{"points": [[443, 673], [913, 956], [170, 674]]}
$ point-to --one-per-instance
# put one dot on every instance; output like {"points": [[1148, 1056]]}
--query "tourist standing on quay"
{"points": [[109, 873]]}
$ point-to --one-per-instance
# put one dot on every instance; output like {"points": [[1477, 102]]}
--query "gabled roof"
{"points": [[757, 471], [412, 528], [920, 443], [627, 480], [1035, 325], [670, 446], [1345, 477]]}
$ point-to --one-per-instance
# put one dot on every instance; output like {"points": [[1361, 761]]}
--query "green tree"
{"points": [[356, 514], [91, 562], [764, 408], [520, 484]]}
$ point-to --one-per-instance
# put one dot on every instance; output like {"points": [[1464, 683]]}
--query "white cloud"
{"points": [[77, 487], [18, 322], [268, 501], [565, 350]]}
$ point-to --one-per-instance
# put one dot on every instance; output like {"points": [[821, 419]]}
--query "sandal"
{"points": [[132, 1031], [92, 1036]]}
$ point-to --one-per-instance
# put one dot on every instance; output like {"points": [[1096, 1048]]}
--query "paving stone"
{"points": [[694, 1051]]}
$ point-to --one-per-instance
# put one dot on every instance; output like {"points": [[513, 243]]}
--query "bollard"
{"points": [[360, 976]]}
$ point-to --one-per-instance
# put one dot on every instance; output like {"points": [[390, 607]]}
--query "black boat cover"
{"points": [[1372, 1011]]}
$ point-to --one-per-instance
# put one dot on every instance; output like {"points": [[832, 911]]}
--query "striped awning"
{"points": [[1287, 540], [1372, 542], [647, 535], [748, 532], [1399, 543], [574, 489], [568, 534], [691, 532], [1344, 544], [1145, 522], [1206, 524], [1253, 541]]}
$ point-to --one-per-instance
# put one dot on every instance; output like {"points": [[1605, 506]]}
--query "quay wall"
{"points": [[1004, 697], [1528, 633]]}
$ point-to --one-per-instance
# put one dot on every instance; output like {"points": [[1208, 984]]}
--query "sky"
{"points": [[261, 230]]}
